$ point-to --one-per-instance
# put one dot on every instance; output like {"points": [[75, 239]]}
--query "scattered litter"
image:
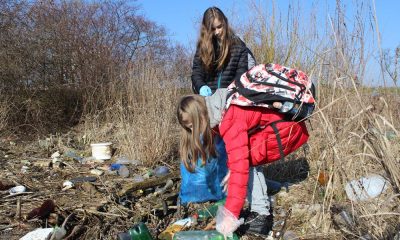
{"points": [[123, 171], [126, 161], [17, 189], [365, 188], [139, 231], [137, 178], [101, 151], [24, 169], [38, 234], [56, 157], [73, 155], [115, 166], [200, 235], [96, 172], [67, 185], [177, 226], [160, 171], [169, 184], [289, 235]]}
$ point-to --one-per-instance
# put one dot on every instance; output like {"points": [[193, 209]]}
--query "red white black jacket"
{"points": [[246, 150]]}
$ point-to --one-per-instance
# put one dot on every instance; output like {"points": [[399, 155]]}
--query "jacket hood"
{"points": [[215, 106]]}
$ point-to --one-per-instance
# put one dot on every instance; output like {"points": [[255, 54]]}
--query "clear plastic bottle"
{"points": [[123, 171], [202, 235], [289, 235]]}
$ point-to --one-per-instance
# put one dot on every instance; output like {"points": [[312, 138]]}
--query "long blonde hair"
{"points": [[197, 141], [206, 42]]}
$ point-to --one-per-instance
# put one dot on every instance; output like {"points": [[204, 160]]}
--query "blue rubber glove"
{"points": [[205, 91]]}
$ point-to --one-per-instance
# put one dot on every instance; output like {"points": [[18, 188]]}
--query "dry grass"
{"points": [[4, 108], [140, 116]]}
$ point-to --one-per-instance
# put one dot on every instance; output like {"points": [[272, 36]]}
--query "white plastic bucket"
{"points": [[101, 151]]}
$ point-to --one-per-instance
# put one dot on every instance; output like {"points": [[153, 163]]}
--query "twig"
{"points": [[9, 226], [17, 194], [99, 213]]}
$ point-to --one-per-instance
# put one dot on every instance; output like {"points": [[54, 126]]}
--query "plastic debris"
{"points": [[56, 157], [365, 188], [139, 231], [67, 185], [123, 171], [138, 178], [17, 189], [125, 161], [115, 166], [38, 234], [167, 186], [160, 171], [200, 235], [73, 155], [177, 226], [289, 235], [24, 169], [96, 172]]}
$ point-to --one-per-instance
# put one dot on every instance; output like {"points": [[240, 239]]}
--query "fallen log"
{"points": [[152, 182]]}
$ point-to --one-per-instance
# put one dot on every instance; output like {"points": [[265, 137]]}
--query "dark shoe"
{"points": [[256, 224]]}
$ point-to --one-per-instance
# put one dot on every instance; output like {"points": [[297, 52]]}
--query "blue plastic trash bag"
{"points": [[204, 184]]}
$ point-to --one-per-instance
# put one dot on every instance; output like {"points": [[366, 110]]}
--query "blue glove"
{"points": [[205, 91]]}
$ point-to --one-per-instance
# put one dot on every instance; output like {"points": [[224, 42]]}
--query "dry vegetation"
{"points": [[99, 72]]}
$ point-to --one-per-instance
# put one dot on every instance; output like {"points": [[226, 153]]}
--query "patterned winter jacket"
{"points": [[241, 59], [246, 150]]}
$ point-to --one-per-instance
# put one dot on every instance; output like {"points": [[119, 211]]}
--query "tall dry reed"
{"points": [[355, 130]]}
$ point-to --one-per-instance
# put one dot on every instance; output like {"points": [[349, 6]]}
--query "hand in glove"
{"points": [[205, 91], [224, 182], [226, 222]]}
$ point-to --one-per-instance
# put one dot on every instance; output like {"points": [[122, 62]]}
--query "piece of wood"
{"points": [[152, 182]]}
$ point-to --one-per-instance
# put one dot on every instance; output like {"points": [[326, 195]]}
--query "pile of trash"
{"points": [[93, 194]]}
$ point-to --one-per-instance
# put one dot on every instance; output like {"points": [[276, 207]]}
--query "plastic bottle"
{"points": [[289, 235], [365, 188], [161, 171], [211, 211], [137, 232], [202, 235], [123, 171]]}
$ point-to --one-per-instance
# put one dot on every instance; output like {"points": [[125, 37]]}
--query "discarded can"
{"points": [[200, 235], [139, 231]]}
